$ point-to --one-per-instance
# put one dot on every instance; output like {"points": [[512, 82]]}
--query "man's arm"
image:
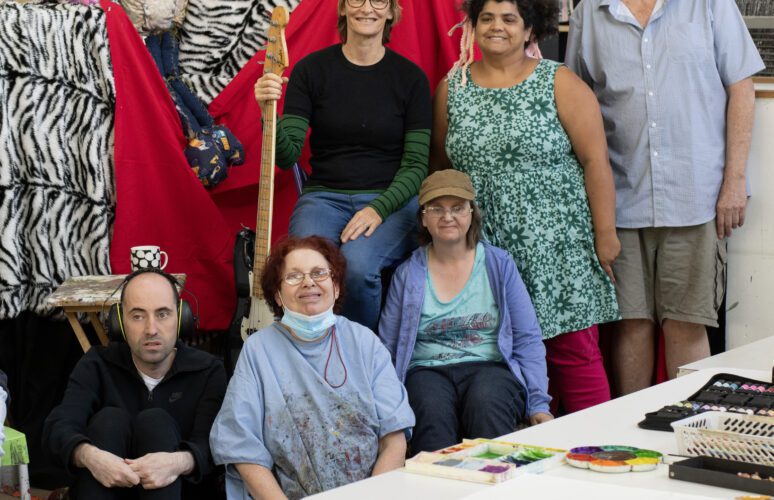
{"points": [[110, 470], [66, 426], [732, 200], [198, 441], [157, 470]]}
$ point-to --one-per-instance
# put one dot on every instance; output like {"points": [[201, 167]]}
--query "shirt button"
{"points": [[653, 124], [655, 153], [647, 66], [650, 93], [645, 40]]}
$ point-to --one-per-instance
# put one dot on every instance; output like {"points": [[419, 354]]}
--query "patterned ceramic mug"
{"points": [[148, 256]]}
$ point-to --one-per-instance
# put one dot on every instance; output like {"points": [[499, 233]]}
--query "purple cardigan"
{"points": [[519, 337]]}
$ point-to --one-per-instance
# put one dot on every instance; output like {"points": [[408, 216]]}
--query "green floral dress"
{"points": [[530, 188]]}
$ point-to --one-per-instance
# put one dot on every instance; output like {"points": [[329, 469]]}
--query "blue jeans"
{"points": [[326, 214]]}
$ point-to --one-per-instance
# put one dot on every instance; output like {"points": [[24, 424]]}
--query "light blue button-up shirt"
{"points": [[662, 91]]}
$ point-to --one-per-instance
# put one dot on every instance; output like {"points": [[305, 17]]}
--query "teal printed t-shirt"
{"points": [[463, 329]]}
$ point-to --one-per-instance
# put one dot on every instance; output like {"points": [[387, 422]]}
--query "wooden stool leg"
{"points": [[82, 338], [97, 324]]}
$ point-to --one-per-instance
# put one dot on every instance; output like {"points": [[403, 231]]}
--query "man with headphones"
{"points": [[136, 415]]}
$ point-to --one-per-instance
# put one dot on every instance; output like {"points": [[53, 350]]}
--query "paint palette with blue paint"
{"points": [[485, 461]]}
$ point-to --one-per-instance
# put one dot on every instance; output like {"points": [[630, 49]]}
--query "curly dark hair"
{"points": [[540, 15], [271, 279]]}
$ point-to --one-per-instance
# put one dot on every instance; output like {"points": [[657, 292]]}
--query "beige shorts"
{"points": [[674, 273]]}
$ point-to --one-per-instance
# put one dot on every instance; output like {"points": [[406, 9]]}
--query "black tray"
{"points": [[660, 420], [722, 473]]}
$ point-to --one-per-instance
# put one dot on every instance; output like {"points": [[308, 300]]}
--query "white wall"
{"points": [[750, 292]]}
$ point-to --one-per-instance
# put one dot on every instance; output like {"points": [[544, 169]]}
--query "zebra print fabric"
{"points": [[218, 38], [57, 101]]}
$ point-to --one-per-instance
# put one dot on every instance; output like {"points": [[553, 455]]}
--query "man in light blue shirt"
{"points": [[673, 79]]}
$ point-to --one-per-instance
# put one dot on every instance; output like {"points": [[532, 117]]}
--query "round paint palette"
{"points": [[613, 458]]}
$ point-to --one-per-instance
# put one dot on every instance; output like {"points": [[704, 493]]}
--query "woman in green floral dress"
{"points": [[530, 135]]}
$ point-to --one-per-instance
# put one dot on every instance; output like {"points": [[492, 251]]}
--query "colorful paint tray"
{"points": [[615, 459], [485, 461]]}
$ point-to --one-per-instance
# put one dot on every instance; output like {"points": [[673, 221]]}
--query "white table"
{"points": [[758, 355], [614, 422], [545, 487]]}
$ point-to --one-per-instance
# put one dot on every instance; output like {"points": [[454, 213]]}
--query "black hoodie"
{"points": [[191, 392]]}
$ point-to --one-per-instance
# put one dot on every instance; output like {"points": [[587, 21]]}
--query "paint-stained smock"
{"points": [[279, 411]]}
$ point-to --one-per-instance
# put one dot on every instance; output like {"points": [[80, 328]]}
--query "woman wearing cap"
{"points": [[461, 328], [370, 115], [530, 135], [314, 402]]}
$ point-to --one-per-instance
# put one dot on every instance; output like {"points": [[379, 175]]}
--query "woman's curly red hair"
{"points": [[273, 272]]}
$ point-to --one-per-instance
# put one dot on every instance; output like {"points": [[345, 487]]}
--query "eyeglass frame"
{"points": [[328, 274], [362, 2], [463, 212]]}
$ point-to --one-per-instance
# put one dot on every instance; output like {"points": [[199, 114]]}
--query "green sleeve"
{"points": [[412, 171], [291, 135]]}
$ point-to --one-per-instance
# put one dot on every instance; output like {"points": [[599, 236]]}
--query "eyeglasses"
{"points": [[457, 211], [317, 276], [376, 4]]}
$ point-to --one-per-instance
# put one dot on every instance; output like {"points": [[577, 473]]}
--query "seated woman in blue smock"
{"points": [[314, 402], [461, 328]]}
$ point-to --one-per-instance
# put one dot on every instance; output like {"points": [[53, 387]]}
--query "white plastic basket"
{"points": [[733, 436]]}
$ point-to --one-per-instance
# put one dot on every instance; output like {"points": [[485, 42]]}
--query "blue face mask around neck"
{"points": [[309, 328]]}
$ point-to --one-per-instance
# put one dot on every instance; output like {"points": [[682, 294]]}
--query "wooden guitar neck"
{"points": [[276, 62]]}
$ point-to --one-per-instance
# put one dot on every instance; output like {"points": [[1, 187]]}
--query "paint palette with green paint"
{"points": [[485, 461]]}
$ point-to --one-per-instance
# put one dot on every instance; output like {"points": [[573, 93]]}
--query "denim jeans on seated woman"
{"points": [[326, 214]]}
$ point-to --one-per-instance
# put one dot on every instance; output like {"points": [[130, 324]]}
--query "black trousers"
{"points": [[112, 429], [464, 400]]}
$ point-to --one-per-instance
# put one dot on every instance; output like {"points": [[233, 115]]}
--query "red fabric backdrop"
{"points": [[160, 201]]}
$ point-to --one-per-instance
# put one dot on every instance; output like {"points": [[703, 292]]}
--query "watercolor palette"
{"points": [[723, 392], [485, 461], [614, 459]]}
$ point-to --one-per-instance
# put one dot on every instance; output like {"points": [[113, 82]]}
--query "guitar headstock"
{"points": [[277, 59]]}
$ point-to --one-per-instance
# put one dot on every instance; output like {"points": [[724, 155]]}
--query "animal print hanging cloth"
{"points": [[218, 38], [57, 100]]}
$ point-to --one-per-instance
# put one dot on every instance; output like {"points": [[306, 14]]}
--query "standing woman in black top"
{"points": [[370, 114]]}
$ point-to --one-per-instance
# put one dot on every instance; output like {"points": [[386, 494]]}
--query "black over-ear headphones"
{"points": [[186, 321]]}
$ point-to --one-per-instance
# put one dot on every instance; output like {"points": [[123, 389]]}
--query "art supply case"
{"points": [[723, 473], [723, 392], [485, 461]]}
